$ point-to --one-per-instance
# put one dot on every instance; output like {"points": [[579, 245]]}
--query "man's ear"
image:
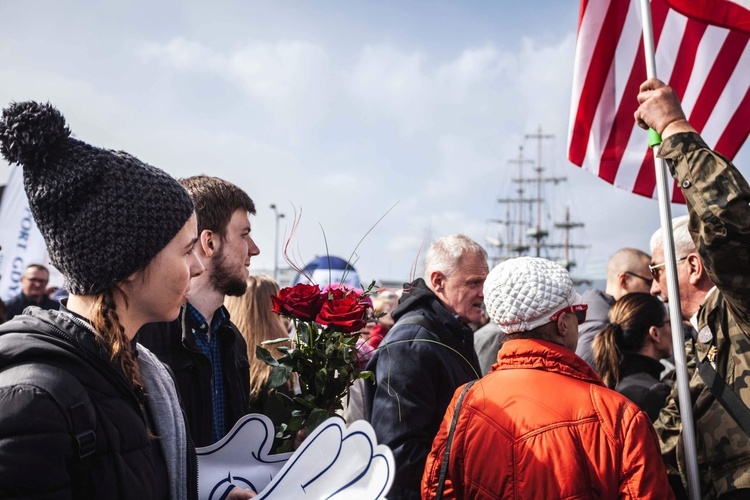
{"points": [[437, 281], [209, 242], [622, 280], [562, 325], [696, 269]]}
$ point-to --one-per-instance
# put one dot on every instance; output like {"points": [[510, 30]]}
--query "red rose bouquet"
{"points": [[323, 354]]}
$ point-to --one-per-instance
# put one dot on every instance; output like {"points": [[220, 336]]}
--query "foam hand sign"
{"points": [[241, 458], [334, 462]]}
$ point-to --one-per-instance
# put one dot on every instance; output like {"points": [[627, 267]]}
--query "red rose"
{"points": [[343, 314], [301, 301]]}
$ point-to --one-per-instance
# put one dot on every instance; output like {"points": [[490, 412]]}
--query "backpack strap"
{"points": [[70, 395], [724, 394]]}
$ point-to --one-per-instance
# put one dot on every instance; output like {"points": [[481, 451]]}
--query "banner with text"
{"points": [[22, 243]]}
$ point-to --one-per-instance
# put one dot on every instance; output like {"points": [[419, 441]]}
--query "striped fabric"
{"points": [[707, 65]]}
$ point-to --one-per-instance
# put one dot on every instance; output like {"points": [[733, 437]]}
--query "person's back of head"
{"points": [[639, 324], [455, 270], [534, 298], [627, 271]]}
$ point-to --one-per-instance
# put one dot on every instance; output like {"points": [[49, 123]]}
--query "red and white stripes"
{"points": [[708, 66]]}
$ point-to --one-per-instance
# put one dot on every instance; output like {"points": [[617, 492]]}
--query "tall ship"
{"points": [[525, 225]]}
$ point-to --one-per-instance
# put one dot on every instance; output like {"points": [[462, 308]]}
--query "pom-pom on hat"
{"points": [[103, 214], [521, 294]]}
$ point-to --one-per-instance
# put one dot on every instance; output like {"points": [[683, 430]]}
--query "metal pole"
{"points": [[276, 243], [675, 314]]}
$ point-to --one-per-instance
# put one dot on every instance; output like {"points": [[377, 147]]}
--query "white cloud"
{"points": [[182, 54]]}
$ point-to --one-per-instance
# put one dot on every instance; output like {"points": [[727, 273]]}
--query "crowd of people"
{"points": [[487, 383]]}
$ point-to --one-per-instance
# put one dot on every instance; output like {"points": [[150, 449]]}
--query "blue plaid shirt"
{"points": [[210, 347]]}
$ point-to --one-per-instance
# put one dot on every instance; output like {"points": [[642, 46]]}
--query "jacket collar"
{"points": [[543, 355]]}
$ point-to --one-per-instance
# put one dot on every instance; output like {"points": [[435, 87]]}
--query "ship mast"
{"points": [[514, 244]]}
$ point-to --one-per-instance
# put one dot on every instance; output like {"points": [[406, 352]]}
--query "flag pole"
{"points": [[675, 314]]}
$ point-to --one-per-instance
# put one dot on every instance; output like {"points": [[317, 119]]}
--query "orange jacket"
{"points": [[542, 425]]}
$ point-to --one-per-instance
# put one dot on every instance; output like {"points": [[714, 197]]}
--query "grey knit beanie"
{"points": [[521, 294], [103, 214]]}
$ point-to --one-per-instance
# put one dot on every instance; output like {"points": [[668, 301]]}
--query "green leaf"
{"points": [[279, 376], [305, 401], [285, 400], [365, 374], [265, 356], [317, 417]]}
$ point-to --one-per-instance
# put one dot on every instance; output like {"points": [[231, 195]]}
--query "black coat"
{"points": [[417, 370], [38, 455], [175, 345], [640, 383], [15, 306]]}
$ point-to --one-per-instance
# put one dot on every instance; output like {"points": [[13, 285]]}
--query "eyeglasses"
{"points": [[578, 309], [648, 281], [657, 269], [36, 280]]}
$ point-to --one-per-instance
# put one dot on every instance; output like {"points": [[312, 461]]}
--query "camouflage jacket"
{"points": [[718, 201]]}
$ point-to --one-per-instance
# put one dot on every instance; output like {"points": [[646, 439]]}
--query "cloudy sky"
{"points": [[338, 109]]}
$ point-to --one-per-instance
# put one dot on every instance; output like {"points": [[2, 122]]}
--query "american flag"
{"points": [[702, 52]]}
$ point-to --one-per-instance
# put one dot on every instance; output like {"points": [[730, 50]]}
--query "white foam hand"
{"points": [[241, 458], [335, 462]]}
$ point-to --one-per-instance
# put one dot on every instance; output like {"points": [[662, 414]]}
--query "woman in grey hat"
{"points": [[86, 412]]}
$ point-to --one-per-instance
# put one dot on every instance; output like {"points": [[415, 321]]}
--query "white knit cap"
{"points": [[521, 294]]}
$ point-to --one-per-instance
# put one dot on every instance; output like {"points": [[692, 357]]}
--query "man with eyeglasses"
{"points": [[541, 424], [627, 271], [693, 280], [718, 200], [33, 287]]}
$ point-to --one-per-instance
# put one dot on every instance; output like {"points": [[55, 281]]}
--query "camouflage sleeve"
{"points": [[718, 198]]}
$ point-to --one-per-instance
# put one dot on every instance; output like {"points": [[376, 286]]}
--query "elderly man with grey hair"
{"points": [[427, 354], [692, 277]]}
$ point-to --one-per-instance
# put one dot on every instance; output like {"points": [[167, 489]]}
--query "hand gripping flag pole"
{"points": [[665, 215]]}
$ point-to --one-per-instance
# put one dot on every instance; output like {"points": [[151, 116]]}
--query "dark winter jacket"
{"points": [[175, 345], [39, 457], [417, 369], [640, 383], [15, 306]]}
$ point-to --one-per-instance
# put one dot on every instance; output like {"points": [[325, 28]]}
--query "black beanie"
{"points": [[104, 214]]}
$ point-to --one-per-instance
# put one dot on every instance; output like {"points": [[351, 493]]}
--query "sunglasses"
{"points": [[657, 269], [648, 281], [578, 309]]}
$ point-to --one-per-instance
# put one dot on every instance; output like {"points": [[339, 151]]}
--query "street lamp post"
{"points": [[276, 243]]}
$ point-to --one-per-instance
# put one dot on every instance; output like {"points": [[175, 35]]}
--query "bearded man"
{"points": [[204, 349]]}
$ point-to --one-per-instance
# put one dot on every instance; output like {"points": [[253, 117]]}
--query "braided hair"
{"points": [[111, 335]]}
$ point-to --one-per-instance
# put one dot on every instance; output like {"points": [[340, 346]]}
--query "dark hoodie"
{"points": [[37, 454], [417, 369]]}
